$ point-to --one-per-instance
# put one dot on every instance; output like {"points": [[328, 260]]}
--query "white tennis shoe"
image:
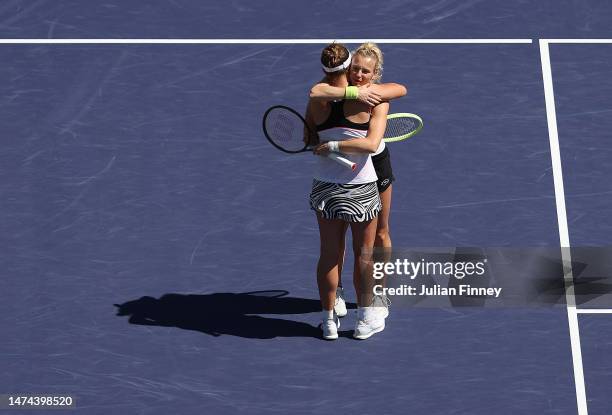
{"points": [[370, 321], [330, 328]]}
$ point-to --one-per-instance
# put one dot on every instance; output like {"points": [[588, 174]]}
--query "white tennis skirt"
{"points": [[348, 202]]}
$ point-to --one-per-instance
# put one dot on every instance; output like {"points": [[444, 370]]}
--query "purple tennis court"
{"points": [[158, 255]]}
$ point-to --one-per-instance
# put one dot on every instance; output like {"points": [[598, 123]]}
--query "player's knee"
{"points": [[382, 234]]}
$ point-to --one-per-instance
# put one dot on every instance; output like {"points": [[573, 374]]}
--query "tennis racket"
{"points": [[401, 126], [285, 129]]}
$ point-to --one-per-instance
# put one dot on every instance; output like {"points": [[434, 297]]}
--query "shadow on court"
{"points": [[226, 313]]}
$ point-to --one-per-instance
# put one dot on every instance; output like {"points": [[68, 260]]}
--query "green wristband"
{"points": [[351, 92]]}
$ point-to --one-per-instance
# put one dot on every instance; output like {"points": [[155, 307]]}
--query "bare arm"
{"points": [[325, 92], [367, 144], [389, 91], [371, 94]]}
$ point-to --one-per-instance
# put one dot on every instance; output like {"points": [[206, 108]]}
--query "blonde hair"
{"points": [[371, 50]]}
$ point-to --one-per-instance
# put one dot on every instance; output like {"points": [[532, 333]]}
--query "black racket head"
{"points": [[284, 128]]}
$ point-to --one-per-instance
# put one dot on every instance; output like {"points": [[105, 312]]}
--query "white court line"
{"points": [[260, 41], [572, 313], [594, 311], [577, 41]]}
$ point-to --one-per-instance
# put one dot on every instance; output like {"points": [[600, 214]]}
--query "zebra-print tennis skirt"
{"points": [[349, 202]]}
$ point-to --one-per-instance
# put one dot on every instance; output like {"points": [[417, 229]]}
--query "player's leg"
{"points": [[382, 243], [331, 232], [384, 171], [340, 303], [383, 235], [369, 321], [364, 234]]}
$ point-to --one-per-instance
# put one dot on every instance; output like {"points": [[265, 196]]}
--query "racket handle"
{"points": [[344, 161]]}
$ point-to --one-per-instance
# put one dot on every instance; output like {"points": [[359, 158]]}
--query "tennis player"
{"points": [[340, 196], [364, 74]]}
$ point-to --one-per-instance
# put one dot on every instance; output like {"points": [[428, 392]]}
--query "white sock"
{"points": [[327, 315]]}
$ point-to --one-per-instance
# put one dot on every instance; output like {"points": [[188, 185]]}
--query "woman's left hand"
{"points": [[369, 95]]}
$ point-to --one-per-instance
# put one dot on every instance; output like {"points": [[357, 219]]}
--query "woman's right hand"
{"points": [[321, 149]]}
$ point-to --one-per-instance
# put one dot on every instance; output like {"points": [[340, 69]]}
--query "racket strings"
{"points": [[397, 127], [285, 129]]}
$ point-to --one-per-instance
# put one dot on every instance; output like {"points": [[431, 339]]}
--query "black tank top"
{"points": [[337, 119]]}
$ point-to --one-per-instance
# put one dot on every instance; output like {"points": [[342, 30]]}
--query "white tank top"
{"points": [[338, 128]]}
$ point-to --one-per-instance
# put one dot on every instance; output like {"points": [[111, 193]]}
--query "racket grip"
{"points": [[344, 161]]}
